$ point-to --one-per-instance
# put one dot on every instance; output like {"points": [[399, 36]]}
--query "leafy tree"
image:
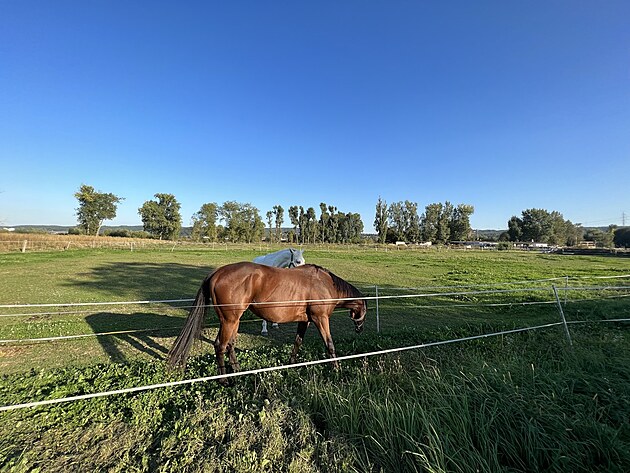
{"points": [[205, 223], [536, 225], [311, 225], [228, 213], [515, 229], [161, 218], [269, 216], [324, 223], [302, 226], [396, 216], [621, 237], [334, 224], [380, 220], [412, 222], [575, 233], [602, 239], [460, 222], [444, 223], [242, 222], [94, 209], [542, 226], [295, 219], [354, 226], [429, 222]]}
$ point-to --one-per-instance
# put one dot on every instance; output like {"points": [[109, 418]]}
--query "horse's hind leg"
{"points": [[219, 352], [232, 354], [299, 338], [224, 342]]}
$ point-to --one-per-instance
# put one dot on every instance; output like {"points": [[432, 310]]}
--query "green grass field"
{"points": [[521, 402]]}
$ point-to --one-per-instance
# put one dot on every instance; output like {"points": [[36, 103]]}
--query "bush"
{"points": [[120, 232], [141, 234]]}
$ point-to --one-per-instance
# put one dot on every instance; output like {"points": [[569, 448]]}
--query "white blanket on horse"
{"points": [[282, 258], [288, 258]]}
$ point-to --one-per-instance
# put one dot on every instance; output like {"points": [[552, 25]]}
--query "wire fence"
{"points": [[387, 304], [387, 299]]}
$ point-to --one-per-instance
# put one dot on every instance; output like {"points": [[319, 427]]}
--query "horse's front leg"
{"points": [[323, 326], [299, 338]]}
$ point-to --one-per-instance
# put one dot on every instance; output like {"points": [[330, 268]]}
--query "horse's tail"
{"points": [[192, 328]]}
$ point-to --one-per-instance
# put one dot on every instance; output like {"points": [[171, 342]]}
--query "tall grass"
{"points": [[523, 406], [524, 402]]}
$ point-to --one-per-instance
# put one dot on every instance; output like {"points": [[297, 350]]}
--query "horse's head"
{"points": [[357, 314], [297, 258]]}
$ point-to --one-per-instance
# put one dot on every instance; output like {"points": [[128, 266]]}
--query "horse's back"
{"points": [[242, 274], [258, 281]]}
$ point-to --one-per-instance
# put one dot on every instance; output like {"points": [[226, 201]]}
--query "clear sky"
{"points": [[505, 105]]}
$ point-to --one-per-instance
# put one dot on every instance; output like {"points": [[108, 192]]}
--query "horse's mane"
{"points": [[344, 287]]}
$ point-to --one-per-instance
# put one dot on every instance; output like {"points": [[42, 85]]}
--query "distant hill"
{"points": [[487, 234], [65, 228]]}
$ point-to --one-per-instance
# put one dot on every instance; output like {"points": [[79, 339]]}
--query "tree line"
{"points": [[232, 221], [439, 223], [399, 221], [241, 222]]}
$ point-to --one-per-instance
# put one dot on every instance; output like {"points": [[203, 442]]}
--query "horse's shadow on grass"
{"points": [[124, 336], [134, 332]]}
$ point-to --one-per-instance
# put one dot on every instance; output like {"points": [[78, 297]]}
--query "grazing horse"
{"points": [[304, 294], [288, 258]]}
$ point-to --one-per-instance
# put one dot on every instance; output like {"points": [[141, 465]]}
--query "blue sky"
{"points": [[502, 105]]}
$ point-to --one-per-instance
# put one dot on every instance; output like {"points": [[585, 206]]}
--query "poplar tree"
{"points": [[380, 220], [278, 212]]}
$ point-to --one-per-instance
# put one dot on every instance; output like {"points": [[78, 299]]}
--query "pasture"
{"points": [[516, 402]]}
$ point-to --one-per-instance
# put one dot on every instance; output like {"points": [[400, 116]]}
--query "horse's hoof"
{"points": [[265, 333], [276, 326]]}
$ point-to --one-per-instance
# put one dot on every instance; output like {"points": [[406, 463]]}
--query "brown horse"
{"points": [[304, 294]]}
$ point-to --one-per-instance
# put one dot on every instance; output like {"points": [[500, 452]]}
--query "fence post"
{"points": [[24, 246], [564, 320], [378, 320], [566, 289]]}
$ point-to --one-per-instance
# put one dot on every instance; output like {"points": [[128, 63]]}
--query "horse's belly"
{"points": [[281, 314]]}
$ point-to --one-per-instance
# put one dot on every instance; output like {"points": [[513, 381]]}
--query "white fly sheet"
{"points": [[288, 258]]}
